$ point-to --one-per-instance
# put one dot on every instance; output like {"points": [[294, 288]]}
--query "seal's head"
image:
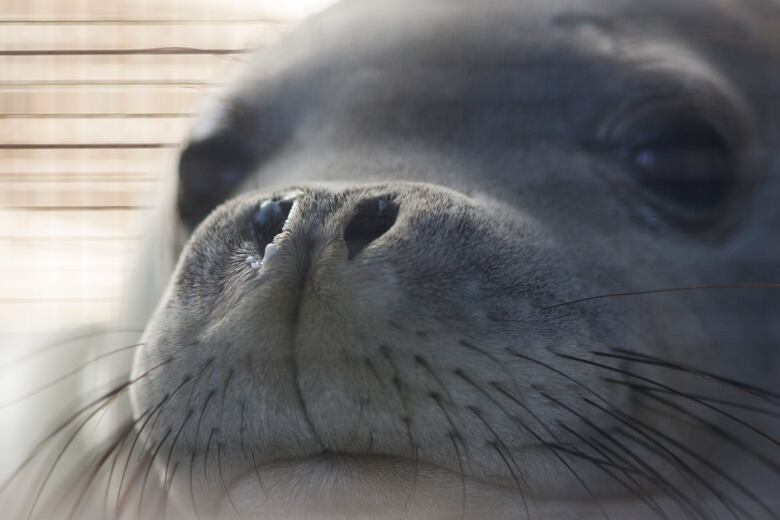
{"points": [[513, 269]]}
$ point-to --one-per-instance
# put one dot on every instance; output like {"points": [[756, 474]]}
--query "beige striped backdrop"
{"points": [[94, 98]]}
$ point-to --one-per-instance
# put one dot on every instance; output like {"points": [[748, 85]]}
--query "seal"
{"points": [[449, 259]]}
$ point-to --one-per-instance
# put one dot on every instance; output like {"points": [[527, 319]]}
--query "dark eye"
{"points": [[684, 162]]}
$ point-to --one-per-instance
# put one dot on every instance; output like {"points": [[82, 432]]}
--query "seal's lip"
{"points": [[325, 485], [343, 456], [376, 462], [346, 458]]}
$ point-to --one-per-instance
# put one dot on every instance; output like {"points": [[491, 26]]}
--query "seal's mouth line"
{"points": [[388, 462], [345, 460], [345, 457]]}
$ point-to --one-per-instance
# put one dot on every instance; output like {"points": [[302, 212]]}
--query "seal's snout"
{"points": [[351, 343]]}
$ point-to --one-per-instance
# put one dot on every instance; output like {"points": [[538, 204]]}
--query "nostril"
{"points": [[372, 219], [269, 219]]}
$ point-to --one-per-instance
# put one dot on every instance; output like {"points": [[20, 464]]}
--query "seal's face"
{"points": [[438, 289]]}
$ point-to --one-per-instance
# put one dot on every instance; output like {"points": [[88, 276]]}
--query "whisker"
{"points": [[627, 471], [193, 457], [23, 397], [669, 290], [64, 449], [416, 476], [255, 465], [629, 421], [397, 383], [112, 449], [729, 503], [155, 412], [222, 479], [72, 340], [133, 481], [427, 367], [149, 415], [680, 498], [209, 362], [678, 393], [607, 455], [555, 453], [638, 426], [149, 467], [705, 398], [206, 455], [228, 380], [454, 436], [203, 408], [257, 473], [629, 355], [497, 446], [569, 378], [717, 431], [116, 459], [167, 490], [522, 424], [189, 398], [173, 445], [108, 397]]}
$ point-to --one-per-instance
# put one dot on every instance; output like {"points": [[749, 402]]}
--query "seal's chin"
{"points": [[371, 487]]}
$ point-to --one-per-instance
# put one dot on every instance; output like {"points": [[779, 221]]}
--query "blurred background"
{"points": [[95, 97]]}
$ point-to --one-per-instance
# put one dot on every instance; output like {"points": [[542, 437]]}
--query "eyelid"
{"points": [[629, 126], [668, 77]]}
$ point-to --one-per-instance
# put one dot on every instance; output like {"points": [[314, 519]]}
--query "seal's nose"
{"points": [[269, 220], [372, 219], [360, 221]]}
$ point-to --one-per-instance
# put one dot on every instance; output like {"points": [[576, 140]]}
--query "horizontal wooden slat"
{"points": [[75, 99], [141, 69], [156, 9], [75, 194], [43, 162], [56, 285], [124, 132], [109, 144], [119, 37], [87, 115], [65, 178], [49, 284], [83, 223], [69, 20], [21, 316], [150, 51], [67, 254]]}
